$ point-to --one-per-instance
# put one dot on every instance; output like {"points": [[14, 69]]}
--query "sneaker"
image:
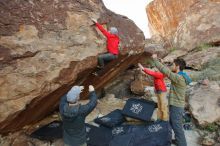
{"points": [[100, 67], [187, 126], [95, 74], [174, 141]]}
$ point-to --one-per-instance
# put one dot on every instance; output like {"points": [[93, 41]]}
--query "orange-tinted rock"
{"points": [[185, 24], [165, 15]]}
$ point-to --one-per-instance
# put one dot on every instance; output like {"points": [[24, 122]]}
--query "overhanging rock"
{"points": [[48, 46]]}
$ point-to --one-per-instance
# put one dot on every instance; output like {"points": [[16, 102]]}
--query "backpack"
{"points": [[188, 80]]}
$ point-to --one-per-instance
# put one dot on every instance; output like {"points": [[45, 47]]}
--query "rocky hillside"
{"points": [[45, 48]]}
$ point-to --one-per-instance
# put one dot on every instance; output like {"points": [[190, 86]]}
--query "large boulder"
{"points": [[200, 26], [45, 48], [140, 82], [165, 15], [185, 24], [198, 60], [204, 103], [210, 69]]}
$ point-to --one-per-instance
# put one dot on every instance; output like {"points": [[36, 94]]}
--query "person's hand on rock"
{"points": [[140, 66], [94, 20]]}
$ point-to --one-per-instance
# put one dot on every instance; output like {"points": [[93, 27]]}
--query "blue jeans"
{"points": [[176, 118], [105, 58]]}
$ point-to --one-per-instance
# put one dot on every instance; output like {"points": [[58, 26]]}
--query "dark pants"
{"points": [[105, 58], [176, 118], [80, 145]]}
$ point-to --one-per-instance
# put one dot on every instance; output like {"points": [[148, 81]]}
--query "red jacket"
{"points": [[159, 83], [112, 40]]}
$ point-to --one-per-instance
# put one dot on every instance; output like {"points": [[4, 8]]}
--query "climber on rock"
{"points": [[112, 44]]}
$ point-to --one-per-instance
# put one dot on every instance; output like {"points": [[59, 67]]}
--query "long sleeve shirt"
{"points": [[159, 83], [178, 85], [112, 40]]}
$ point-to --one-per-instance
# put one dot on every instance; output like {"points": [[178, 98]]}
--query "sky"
{"points": [[133, 9]]}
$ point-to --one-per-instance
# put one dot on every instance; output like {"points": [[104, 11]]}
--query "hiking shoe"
{"points": [[174, 141], [187, 126], [95, 74], [100, 67]]}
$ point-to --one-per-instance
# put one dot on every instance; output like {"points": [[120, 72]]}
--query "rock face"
{"points": [[156, 47], [199, 59], [204, 102], [140, 83], [185, 24], [200, 26], [45, 48], [165, 15], [123, 81]]}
